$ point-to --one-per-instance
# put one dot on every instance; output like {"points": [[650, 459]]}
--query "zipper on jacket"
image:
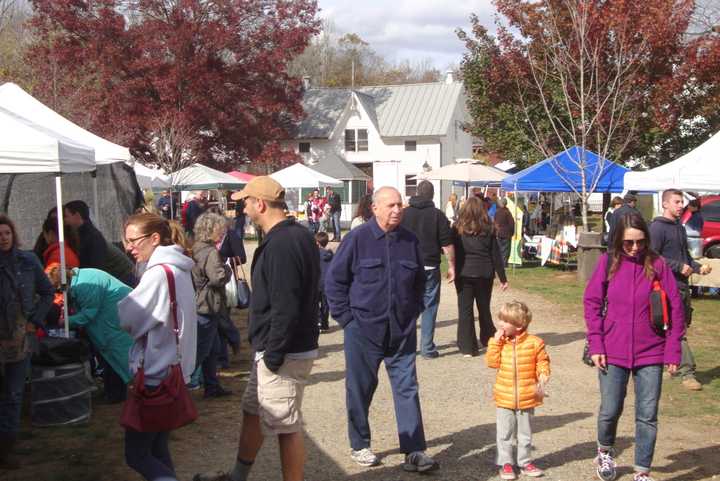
{"points": [[515, 374]]}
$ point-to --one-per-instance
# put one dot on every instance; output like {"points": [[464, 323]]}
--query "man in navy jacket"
{"points": [[374, 287]]}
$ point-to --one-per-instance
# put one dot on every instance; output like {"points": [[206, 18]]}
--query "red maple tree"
{"points": [[218, 68]]}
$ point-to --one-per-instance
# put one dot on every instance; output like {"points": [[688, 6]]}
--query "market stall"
{"points": [[697, 171], [26, 148], [354, 180], [110, 187], [565, 172], [299, 176]]}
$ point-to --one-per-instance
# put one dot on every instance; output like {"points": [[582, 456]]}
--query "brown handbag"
{"points": [[167, 406]]}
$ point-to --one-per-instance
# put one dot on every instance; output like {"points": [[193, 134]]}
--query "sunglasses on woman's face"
{"points": [[630, 243]]}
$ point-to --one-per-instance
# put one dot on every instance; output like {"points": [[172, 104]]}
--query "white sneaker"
{"points": [[365, 457]]}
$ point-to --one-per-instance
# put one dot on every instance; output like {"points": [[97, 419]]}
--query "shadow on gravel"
{"points": [[700, 463], [580, 452], [706, 377], [556, 339], [471, 450], [330, 376]]}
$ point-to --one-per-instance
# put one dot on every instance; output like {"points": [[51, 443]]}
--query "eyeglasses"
{"points": [[630, 243], [133, 242]]}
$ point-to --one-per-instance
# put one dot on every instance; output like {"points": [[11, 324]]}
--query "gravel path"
{"points": [[459, 414]]}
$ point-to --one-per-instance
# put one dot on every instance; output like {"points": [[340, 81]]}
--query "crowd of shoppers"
{"points": [[382, 277]]}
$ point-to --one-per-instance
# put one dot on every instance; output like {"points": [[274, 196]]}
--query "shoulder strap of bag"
{"points": [[173, 305]]}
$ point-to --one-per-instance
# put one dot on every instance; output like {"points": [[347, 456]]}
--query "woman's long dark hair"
{"points": [[364, 208], [473, 218], [632, 220]]}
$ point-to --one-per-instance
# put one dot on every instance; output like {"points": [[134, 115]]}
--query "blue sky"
{"points": [[409, 29]]}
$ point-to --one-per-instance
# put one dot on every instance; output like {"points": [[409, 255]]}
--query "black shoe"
{"points": [[7, 460], [218, 392], [431, 355]]}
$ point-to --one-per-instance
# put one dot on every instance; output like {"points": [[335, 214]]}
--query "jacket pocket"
{"points": [[370, 271], [407, 272]]}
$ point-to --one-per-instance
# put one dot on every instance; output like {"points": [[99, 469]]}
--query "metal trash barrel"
{"points": [[590, 249], [61, 395]]}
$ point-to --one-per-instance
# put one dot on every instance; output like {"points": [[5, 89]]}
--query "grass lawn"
{"points": [[704, 335]]}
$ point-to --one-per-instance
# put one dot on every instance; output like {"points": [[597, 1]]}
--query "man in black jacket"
{"points": [[630, 201], [432, 229], [669, 239], [93, 246], [283, 332], [335, 210]]}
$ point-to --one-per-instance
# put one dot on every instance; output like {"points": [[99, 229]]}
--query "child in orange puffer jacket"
{"points": [[523, 370]]}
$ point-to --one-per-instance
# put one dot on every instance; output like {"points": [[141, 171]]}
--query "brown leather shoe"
{"points": [[692, 384]]}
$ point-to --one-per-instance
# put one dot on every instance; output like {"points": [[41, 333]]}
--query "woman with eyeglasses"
{"points": [[145, 313], [623, 342]]}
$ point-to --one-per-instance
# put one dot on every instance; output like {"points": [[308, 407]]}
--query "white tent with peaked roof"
{"points": [[697, 170], [27, 148], [15, 99], [299, 175]]}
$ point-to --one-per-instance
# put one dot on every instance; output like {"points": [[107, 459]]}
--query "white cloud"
{"points": [[410, 29]]}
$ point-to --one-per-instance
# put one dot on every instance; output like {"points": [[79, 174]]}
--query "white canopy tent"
{"points": [[299, 175], [200, 177], [26, 148], [697, 170], [17, 100], [151, 179]]}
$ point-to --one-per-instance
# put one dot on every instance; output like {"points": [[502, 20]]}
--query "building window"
{"points": [[410, 186], [304, 147], [410, 145], [362, 143], [356, 140]]}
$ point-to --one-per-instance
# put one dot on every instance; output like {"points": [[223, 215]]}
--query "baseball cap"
{"points": [[630, 197], [262, 187]]}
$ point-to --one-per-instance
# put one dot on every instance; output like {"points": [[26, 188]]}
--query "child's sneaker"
{"points": [[605, 465], [531, 470], [507, 472], [642, 477]]}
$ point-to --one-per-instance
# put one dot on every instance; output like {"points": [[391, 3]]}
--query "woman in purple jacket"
{"points": [[623, 342]]}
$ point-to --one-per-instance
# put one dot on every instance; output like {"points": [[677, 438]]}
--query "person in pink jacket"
{"points": [[623, 342]]}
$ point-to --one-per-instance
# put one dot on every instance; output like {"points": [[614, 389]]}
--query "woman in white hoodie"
{"points": [[145, 314]]}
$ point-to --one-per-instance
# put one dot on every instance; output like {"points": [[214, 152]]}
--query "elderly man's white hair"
{"points": [[383, 191]]}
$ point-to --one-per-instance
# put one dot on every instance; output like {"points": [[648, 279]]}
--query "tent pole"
{"points": [[96, 207], [61, 242]]}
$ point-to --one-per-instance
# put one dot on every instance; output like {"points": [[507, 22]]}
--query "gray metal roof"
{"points": [[323, 109], [333, 165], [396, 110]]}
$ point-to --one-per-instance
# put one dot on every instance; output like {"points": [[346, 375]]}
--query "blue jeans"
{"points": [[149, 455], [362, 361], [336, 224], [431, 300], [229, 334], [208, 350], [613, 388], [11, 396]]}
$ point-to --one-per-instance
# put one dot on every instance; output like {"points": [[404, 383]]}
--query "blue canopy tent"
{"points": [[562, 173]]}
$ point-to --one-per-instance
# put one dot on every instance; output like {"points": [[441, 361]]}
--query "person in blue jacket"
{"points": [[94, 296]]}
